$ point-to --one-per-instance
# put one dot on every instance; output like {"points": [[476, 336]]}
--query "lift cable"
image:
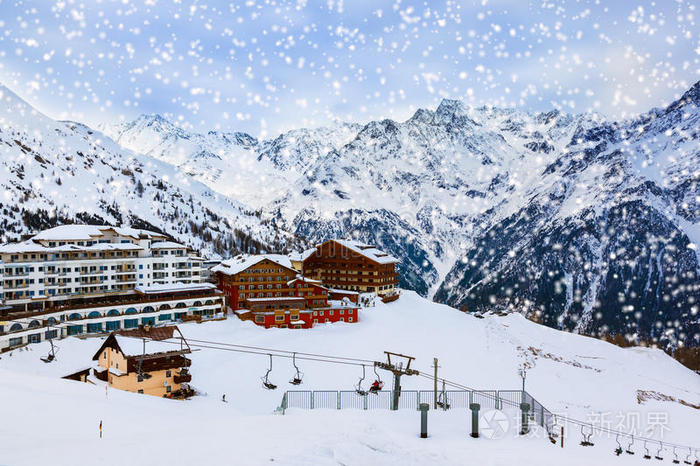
{"points": [[247, 349]]}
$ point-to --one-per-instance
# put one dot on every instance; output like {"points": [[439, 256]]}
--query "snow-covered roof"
{"points": [[88, 232], [21, 247], [134, 346], [369, 251], [172, 287], [301, 256], [304, 279], [167, 245], [30, 246], [336, 290], [242, 262]]}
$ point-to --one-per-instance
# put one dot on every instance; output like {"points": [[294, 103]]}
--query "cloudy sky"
{"points": [[267, 66]]}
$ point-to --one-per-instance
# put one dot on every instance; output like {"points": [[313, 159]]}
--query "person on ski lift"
{"points": [[376, 386]]}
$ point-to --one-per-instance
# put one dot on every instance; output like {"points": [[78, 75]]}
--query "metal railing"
{"points": [[411, 399]]}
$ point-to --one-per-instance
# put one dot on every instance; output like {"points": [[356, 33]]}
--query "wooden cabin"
{"points": [[146, 360]]}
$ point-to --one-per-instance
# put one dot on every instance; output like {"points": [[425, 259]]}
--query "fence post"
{"points": [[524, 407], [475, 419], [312, 400], [541, 415], [364, 401], [338, 395], [423, 420], [417, 399], [498, 400]]}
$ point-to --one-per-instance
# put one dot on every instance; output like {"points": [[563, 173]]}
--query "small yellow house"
{"points": [[146, 360]]}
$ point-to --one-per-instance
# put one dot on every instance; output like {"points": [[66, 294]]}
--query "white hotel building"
{"points": [[76, 279]]}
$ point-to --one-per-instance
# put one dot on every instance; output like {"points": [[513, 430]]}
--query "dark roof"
{"points": [[148, 334], [152, 333]]}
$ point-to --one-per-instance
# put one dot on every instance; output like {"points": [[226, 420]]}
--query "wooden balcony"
{"points": [[182, 378]]}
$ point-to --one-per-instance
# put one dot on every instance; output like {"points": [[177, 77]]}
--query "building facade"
{"points": [[76, 261], [141, 361], [76, 279], [350, 265], [159, 304], [269, 291]]}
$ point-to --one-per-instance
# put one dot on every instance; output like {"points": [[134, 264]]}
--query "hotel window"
{"points": [[167, 373], [168, 389], [279, 318], [140, 391], [342, 311], [315, 321], [259, 319], [349, 319], [342, 319]]}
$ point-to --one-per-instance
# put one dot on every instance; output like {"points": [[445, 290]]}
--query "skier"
{"points": [[376, 386], [223, 398]]}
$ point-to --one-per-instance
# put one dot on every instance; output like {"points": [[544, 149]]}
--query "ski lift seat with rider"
{"points": [[377, 385], [618, 450]]}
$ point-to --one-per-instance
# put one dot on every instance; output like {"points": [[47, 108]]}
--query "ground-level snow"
{"points": [[47, 419]]}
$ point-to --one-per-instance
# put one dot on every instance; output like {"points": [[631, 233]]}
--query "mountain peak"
{"points": [[449, 107]]}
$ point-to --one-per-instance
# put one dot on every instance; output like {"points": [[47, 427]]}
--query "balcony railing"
{"points": [[182, 378]]}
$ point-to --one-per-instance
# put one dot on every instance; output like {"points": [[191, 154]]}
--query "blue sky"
{"points": [[268, 66]]}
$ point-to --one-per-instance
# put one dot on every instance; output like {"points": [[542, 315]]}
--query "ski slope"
{"points": [[578, 376]]}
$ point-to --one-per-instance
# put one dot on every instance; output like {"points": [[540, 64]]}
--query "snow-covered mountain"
{"points": [[56, 172], [234, 164], [582, 223]]}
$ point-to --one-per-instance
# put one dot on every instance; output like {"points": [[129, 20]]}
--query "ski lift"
{"points": [[140, 374], [443, 401], [675, 457], [358, 387], [51, 357], [629, 450], [647, 456], [586, 442], [618, 450], [552, 433], [687, 458], [299, 375], [265, 380], [377, 385], [658, 452]]}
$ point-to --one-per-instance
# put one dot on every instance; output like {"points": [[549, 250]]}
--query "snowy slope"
{"points": [[58, 172], [570, 374]]}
